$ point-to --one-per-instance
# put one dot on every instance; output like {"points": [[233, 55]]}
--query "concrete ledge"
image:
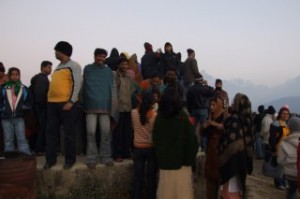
{"points": [[81, 182], [103, 182]]}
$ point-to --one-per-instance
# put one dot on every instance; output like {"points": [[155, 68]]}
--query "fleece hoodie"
{"points": [[287, 154]]}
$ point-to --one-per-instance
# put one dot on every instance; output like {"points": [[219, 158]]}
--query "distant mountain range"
{"points": [[287, 93]]}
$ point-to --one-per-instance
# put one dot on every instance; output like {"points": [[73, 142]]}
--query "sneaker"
{"points": [[91, 165], [109, 164], [68, 166], [48, 166], [119, 159], [281, 187]]}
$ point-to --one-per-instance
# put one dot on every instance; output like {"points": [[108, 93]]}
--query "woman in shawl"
{"points": [[213, 128], [236, 149], [134, 66]]}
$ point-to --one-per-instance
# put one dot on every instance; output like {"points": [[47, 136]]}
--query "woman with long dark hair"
{"points": [[278, 131], [213, 128], [176, 147], [143, 119]]}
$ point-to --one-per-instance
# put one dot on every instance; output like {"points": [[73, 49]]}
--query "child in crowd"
{"points": [[15, 100], [143, 119]]}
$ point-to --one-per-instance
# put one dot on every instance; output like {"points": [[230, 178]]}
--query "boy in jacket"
{"points": [[15, 100]]}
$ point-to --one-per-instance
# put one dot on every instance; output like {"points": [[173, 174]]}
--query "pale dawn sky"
{"points": [[256, 40]]}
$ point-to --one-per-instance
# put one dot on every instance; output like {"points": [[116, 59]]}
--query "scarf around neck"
{"points": [[17, 86]]}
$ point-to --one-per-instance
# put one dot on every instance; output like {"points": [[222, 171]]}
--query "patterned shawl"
{"points": [[236, 147]]}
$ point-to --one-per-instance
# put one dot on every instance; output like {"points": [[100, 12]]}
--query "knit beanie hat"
{"points": [[64, 47], [198, 77], [294, 124]]}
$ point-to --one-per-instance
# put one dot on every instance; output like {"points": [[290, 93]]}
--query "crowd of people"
{"points": [[276, 140], [159, 112]]}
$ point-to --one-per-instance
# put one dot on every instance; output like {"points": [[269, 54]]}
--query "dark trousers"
{"points": [[143, 157], [41, 114], [212, 189], [56, 117], [123, 136], [292, 191]]}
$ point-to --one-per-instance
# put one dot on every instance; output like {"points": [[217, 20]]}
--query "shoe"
{"points": [[91, 165], [68, 166], [119, 159], [281, 187], [109, 164], [48, 166]]}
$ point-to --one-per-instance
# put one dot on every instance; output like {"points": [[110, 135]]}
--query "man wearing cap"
{"points": [[99, 100], [197, 102], [61, 109], [190, 71]]}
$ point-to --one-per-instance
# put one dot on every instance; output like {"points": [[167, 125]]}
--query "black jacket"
{"points": [[39, 89], [170, 60], [150, 64], [23, 103], [198, 96], [113, 60]]}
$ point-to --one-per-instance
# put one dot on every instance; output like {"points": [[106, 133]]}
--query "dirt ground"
{"points": [[258, 186]]}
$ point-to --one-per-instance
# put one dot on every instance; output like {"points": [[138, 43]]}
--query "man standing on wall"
{"points": [[61, 108]]}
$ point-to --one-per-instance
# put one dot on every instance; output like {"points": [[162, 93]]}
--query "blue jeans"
{"points": [[201, 116], [10, 128], [105, 144], [259, 148], [143, 157]]}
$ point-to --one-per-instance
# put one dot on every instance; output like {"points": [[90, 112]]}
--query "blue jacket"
{"points": [[23, 103]]}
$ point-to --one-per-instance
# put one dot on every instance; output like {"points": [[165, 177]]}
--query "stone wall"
{"points": [[103, 182]]}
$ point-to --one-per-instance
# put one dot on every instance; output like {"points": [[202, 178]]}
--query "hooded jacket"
{"points": [[287, 154], [113, 60]]}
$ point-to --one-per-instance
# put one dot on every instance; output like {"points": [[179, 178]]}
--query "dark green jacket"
{"points": [[174, 141]]}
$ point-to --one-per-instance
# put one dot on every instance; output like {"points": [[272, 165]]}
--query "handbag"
{"points": [[269, 170]]}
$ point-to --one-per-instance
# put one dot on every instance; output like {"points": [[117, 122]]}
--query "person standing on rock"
{"points": [[190, 71], [15, 101], [62, 108], [123, 134], [99, 100], [39, 89]]}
